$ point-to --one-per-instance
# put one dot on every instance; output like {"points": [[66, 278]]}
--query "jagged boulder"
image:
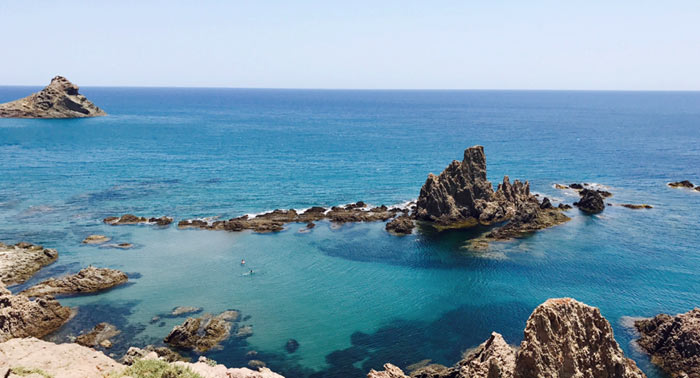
{"points": [[99, 335], [60, 99], [563, 338], [87, 280], [673, 342], [21, 261], [566, 338], [591, 201], [402, 225]]}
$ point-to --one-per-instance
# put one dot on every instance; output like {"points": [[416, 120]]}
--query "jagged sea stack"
{"points": [[60, 99]]}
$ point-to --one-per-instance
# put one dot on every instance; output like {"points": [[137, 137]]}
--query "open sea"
{"points": [[354, 296]]}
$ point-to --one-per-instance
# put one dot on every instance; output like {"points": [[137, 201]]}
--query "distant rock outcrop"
{"points": [[591, 201], [673, 342], [461, 196], [563, 338], [133, 219], [87, 280], [20, 261], [681, 184], [60, 99]]}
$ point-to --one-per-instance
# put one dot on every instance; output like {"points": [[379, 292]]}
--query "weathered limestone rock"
{"points": [[99, 335], [133, 219], [673, 342], [591, 201], [60, 99], [203, 333], [563, 338], [87, 280], [22, 317], [20, 261], [566, 338]]}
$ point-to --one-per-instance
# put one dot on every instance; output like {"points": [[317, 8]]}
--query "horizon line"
{"points": [[367, 89]]}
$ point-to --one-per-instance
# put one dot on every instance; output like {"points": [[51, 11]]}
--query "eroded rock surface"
{"points": [[591, 201], [87, 280], [60, 99], [673, 342], [133, 219], [461, 196], [203, 333], [23, 317], [566, 338], [563, 338], [21, 261], [402, 225]]}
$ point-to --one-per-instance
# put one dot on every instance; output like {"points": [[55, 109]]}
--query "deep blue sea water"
{"points": [[356, 297]]}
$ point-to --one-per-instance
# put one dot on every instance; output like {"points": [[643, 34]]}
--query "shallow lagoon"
{"points": [[354, 296]]}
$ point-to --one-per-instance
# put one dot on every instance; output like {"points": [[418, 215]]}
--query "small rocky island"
{"points": [[60, 99]]}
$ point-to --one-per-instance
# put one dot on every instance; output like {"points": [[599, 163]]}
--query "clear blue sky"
{"points": [[640, 44]]}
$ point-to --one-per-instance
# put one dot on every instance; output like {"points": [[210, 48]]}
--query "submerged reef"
{"points": [[60, 99]]}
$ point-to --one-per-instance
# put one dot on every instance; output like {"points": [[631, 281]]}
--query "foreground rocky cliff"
{"points": [[461, 196], [563, 338], [22, 357], [60, 99], [673, 342]]}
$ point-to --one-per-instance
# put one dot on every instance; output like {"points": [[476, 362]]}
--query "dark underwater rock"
{"points": [[591, 201], [99, 335], [636, 206], [673, 342], [291, 346], [60, 99]]}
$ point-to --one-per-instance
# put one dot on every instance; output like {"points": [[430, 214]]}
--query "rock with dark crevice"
{"points": [[60, 99], [673, 342]]}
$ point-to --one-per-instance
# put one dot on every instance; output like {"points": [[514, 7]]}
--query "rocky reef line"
{"points": [[60, 99]]}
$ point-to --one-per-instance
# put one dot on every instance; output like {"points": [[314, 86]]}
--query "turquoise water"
{"points": [[354, 296]]}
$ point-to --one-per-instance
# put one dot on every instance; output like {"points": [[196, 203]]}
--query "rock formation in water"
{"points": [[673, 342], [96, 239], [23, 317], [401, 225], [20, 261], [162, 353], [60, 99], [461, 196], [72, 360], [274, 221], [681, 184], [591, 201], [203, 333], [99, 335], [563, 338], [133, 219], [87, 280], [636, 206]]}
